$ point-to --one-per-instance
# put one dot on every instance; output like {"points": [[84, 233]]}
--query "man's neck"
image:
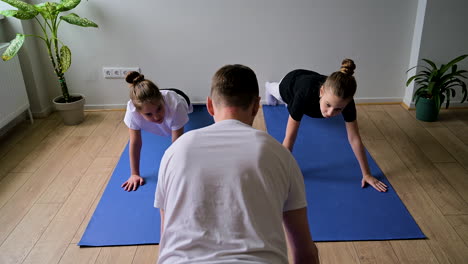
{"points": [[236, 113]]}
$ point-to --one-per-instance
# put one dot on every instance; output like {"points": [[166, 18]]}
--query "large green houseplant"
{"points": [[49, 18], [436, 85]]}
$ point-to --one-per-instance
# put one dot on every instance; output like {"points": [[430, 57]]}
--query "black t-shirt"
{"points": [[300, 90]]}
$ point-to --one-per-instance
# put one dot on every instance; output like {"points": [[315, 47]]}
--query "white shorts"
{"points": [[273, 89]]}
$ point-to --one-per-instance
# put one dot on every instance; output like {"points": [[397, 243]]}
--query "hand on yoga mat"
{"points": [[132, 183], [372, 181]]}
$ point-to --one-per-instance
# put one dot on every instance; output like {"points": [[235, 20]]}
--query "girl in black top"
{"points": [[309, 93]]}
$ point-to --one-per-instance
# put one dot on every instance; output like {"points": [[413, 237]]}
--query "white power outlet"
{"points": [[127, 70], [107, 72], [117, 72]]}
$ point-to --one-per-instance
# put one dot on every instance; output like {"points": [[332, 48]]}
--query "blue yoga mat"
{"points": [[338, 208], [129, 218]]}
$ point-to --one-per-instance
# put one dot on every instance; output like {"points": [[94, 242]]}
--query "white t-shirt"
{"points": [[223, 189], [175, 117]]}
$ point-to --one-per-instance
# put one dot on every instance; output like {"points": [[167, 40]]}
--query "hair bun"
{"points": [[348, 67], [134, 77]]}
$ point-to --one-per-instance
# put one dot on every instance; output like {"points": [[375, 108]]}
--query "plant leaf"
{"points": [[452, 62], [74, 19], [453, 92], [66, 5], [65, 58], [14, 47], [454, 68], [48, 10], [417, 76], [434, 67], [430, 87], [437, 101], [25, 7], [447, 95], [463, 85], [17, 14]]}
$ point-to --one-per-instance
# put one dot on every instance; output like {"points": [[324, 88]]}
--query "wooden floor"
{"points": [[52, 177]]}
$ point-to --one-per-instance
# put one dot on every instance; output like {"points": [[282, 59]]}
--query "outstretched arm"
{"points": [[355, 141], [135, 179], [291, 133], [302, 246], [177, 133]]}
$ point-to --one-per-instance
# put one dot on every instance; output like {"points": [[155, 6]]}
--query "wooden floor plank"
{"points": [[337, 252], [10, 184], [92, 120], [14, 210], [67, 179], [454, 122], [74, 170], [457, 176], [413, 252], [418, 134], [367, 128], [460, 224], [17, 134], [25, 146], [372, 107], [375, 252], [101, 134], [451, 142], [440, 191], [462, 114], [76, 255], [442, 238], [116, 255], [117, 142], [23, 238], [56, 239], [44, 149], [259, 121], [427, 124], [146, 254], [80, 231]]}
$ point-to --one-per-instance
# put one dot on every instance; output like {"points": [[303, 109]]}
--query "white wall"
{"points": [[444, 36], [182, 43], [31, 64]]}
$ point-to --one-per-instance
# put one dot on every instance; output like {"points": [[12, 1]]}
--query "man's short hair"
{"points": [[234, 86]]}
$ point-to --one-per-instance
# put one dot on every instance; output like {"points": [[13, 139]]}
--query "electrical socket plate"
{"points": [[117, 72]]}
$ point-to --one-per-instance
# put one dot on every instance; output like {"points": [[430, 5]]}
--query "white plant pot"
{"points": [[71, 113]]}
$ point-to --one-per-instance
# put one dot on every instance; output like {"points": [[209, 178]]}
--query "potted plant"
{"points": [[48, 16], [436, 85]]}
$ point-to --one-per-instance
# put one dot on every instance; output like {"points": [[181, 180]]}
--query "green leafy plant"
{"points": [[439, 83], [47, 15]]}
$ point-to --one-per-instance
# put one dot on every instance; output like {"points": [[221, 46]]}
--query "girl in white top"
{"points": [[161, 112]]}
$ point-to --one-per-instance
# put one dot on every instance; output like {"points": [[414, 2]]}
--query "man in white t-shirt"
{"points": [[225, 191]]}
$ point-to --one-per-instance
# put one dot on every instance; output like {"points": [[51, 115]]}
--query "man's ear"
{"points": [[209, 106], [321, 91], [256, 106]]}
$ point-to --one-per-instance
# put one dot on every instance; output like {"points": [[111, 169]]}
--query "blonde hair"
{"points": [[342, 83], [142, 90], [235, 85]]}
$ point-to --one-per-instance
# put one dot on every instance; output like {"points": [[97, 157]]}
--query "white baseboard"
{"points": [[381, 100], [384, 100], [452, 105], [362, 100], [43, 114], [105, 106]]}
